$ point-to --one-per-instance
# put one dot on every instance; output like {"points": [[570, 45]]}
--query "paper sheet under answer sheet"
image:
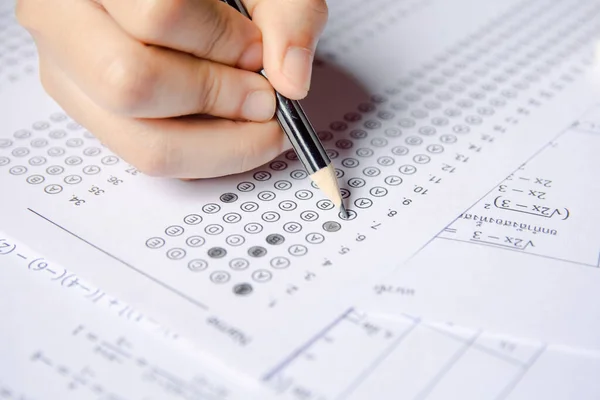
{"points": [[422, 106], [63, 338]]}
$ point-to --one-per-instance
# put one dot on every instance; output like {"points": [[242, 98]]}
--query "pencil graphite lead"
{"points": [[343, 210]]}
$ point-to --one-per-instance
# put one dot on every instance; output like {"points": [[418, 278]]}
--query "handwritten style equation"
{"points": [[121, 352], [541, 208], [85, 352], [68, 280]]}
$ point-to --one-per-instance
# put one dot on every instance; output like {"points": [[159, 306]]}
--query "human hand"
{"points": [[139, 73]]}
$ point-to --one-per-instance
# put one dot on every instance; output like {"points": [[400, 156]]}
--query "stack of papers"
{"points": [[465, 137]]}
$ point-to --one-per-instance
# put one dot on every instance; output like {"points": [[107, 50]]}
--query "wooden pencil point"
{"points": [[326, 181]]}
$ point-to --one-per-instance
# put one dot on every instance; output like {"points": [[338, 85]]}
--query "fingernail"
{"points": [[259, 106], [297, 66], [252, 57]]}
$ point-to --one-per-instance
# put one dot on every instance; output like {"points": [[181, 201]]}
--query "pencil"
{"points": [[304, 139]]}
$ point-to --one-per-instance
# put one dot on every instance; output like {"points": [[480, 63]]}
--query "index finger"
{"points": [[207, 29]]}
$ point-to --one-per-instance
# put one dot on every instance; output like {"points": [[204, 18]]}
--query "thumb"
{"points": [[290, 29]]}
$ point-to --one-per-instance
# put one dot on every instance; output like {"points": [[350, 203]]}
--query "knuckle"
{"points": [[157, 17], [219, 28], [210, 87], [127, 84], [318, 6]]}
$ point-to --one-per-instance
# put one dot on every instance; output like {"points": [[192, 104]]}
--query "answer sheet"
{"points": [[423, 105]]}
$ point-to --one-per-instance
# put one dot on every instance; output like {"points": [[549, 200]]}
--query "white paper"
{"points": [[61, 338], [524, 260], [361, 358]]}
